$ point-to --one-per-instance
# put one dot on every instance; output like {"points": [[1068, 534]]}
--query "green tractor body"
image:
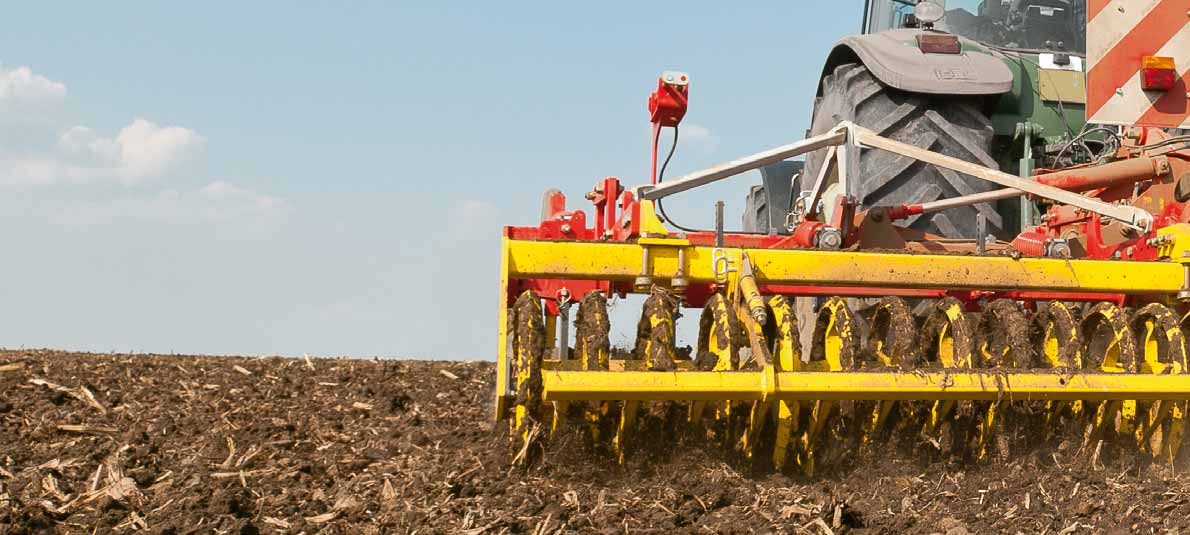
{"points": [[1000, 83]]}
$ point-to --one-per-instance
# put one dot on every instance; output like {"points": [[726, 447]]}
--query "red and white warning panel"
{"points": [[1138, 62]]}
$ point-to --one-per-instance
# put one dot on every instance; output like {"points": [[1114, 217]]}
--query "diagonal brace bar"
{"points": [[1128, 215], [747, 163]]}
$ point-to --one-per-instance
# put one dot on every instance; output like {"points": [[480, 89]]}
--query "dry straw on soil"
{"points": [[178, 445]]}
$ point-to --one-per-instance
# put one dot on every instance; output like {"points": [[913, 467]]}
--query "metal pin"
{"points": [[564, 329], [679, 281], [719, 224], [981, 232], [644, 281]]}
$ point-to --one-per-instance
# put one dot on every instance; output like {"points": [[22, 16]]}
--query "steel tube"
{"points": [[1076, 180], [735, 167], [968, 200], [1107, 175]]}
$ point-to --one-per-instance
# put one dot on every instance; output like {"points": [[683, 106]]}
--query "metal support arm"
{"points": [[735, 167], [1128, 215], [851, 137]]}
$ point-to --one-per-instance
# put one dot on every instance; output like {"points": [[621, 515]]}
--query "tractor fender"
{"points": [[894, 58]]}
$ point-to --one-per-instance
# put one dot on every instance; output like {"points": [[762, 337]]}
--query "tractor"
{"points": [[999, 83], [989, 234]]}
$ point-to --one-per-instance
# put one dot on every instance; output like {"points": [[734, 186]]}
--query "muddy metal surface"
{"points": [[172, 445]]}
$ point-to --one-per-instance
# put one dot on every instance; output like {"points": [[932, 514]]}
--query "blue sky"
{"points": [[330, 178]]}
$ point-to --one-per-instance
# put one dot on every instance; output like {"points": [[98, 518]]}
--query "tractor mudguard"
{"points": [[895, 59]]}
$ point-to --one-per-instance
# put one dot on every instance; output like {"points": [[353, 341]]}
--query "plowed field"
{"points": [[187, 444]]}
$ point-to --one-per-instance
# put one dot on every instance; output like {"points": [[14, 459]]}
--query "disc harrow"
{"points": [[842, 332], [1001, 339]]}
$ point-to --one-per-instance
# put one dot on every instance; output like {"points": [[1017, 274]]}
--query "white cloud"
{"points": [[691, 137], [83, 146], [243, 200], [217, 202], [698, 137], [21, 86], [147, 149], [140, 152], [222, 188], [471, 218], [38, 150]]}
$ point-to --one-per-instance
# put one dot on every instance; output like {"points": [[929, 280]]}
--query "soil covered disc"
{"points": [[188, 444]]}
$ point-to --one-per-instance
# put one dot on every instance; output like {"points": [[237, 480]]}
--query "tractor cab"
{"points": [[1032, 25]]}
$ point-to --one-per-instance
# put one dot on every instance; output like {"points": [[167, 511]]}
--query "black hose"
{"points": [[661, 175]]}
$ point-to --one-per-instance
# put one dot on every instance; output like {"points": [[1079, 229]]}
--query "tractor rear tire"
{"points": [[756, 210], [767, 204], [951, 125]]}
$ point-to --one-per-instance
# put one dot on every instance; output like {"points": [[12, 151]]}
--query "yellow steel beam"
{"points": [[503, 399], [919, 385], [621, 261], [615, 365]]}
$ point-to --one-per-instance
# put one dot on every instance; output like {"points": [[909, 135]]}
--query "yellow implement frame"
{"points": [[622, 262], [992, 385], [530, 259]]}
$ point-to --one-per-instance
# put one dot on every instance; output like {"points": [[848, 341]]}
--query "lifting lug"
{"points": [[722, 265]]}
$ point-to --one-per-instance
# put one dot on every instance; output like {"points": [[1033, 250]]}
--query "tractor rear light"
{"points": [[938, 43], [1157, 73]]}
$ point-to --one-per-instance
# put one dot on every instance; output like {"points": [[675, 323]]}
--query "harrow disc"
{"points": [[947, 341], [1108, 347], [1054, 331], [891, 342], [592, 348], [1162, 350], [1002, 336], [892, 337], [717, 349], [527, 333], [654, 346], [835, 346], [591, 344], [946, 337], [655, 332], [760, 412], [1001, 340], [784, 346]]}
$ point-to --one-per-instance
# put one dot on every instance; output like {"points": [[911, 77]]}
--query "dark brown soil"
{"points": [[174, 445]]}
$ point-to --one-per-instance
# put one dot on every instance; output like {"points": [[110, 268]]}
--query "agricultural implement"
{"points": [[843, 323]]}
